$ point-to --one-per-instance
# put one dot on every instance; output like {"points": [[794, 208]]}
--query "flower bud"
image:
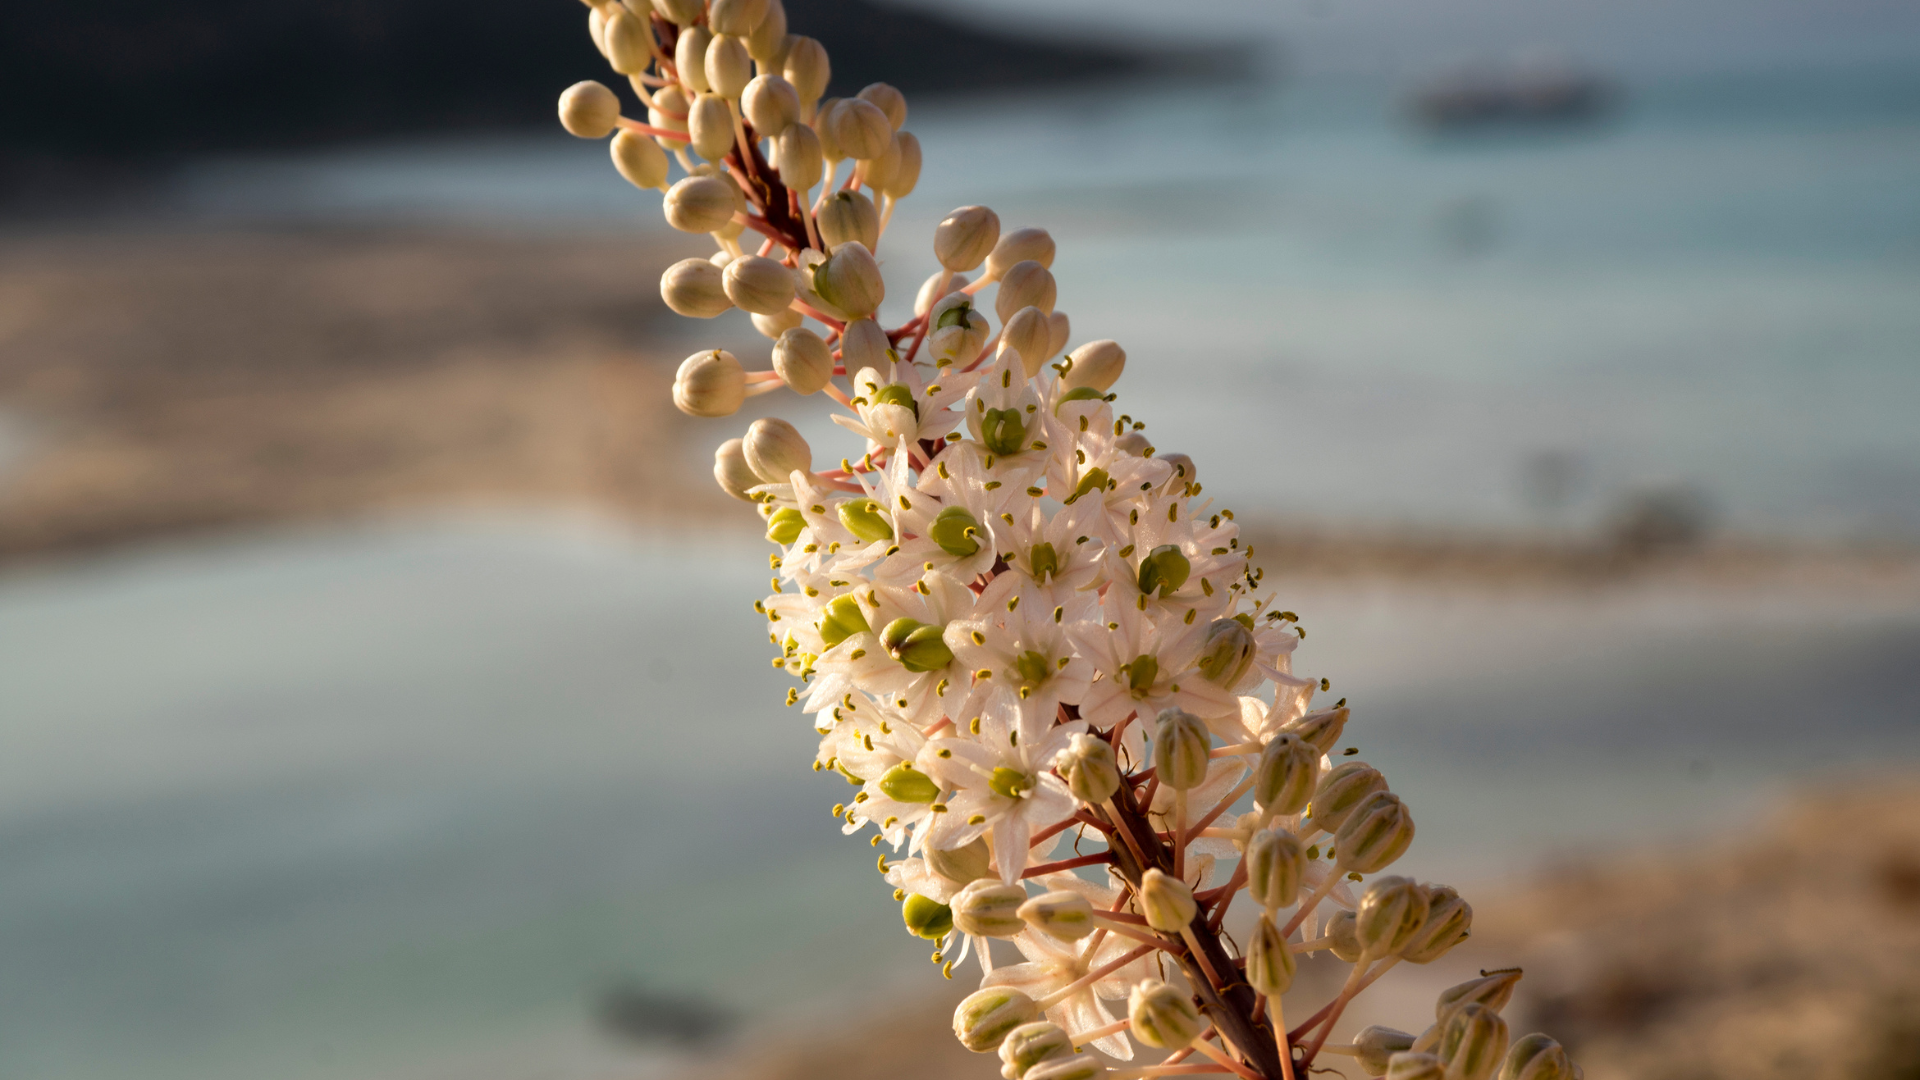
{"points": [[1028, 335], [989, 908], [916, 645], [1537, 1057], [1449, 919], [589, 110], [1088, 766], [1344, 788], [698, 204], [1493, 989], [772, 326], [962, 241], [804, 361], [891, 103], [729, 68], [1018, 246], [1376, 1044], [906, 175], [776, 449], [962, 865], [924, 300], [1322, 728], [860, 129], [1026, 284], [797, 149], [639, 159], [736, 16], [864, 345], [1182, 749], [680, 12], [986, 1016], [1274, 862], [1133, 443], [710, 124], [768, 41], [807, 68], [1163, 571], [957, 331], [850, 280], [1227, 653], [690, 58], [1341, 936], [1063, 914], [770, 104], [1030, 1044], [1379, 831], [731, 471], [1270, 960], [1073, 1067], [864, 519], [1472, 1042], [1162, 1016], [848, 215], [759, 285], [879, 172], [1097, 365], [1283, 779], [1166, 901], [956, 531], [1390, 913], [785, 525], [1062, 329], [625, 37], [840, 619], [1407, 1065], [710, 383], [926, 917]]}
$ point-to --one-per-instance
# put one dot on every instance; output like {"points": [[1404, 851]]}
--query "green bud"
{"points": [[1063, 914], [1375, 1045], [1274, 861], [1537, 1057], [1228, 652], [1182, 749], [1283, 779], [989, 908], [985, 1017], [926, 917], [1472, 1042], [1009, 783], [1322, 728], [1376, 833], [1003, 431], [864, 519], [1141, 672], [1030, 1044], [1390, 913], [1163, 571], [1044, 560], [1449, 919], [1093, 480], [918, 646], [1089, 768], [1166, 901], [1407, 1065], [1340, 931], [956, 531], [1073, 1067], [784, 525], [904, 783], [841, 619], [962, 865], [1270, 961], [1162, 1017], [1344, 788]]}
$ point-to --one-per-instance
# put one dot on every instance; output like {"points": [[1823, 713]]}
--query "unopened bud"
{"points": [[1343, 789], [850, 280], [989, 908], [864, 519], [1028, 335], [1227, 653], [710, 124], [1449, 920], [736, 16], [986, 1016], [1275, 859], [1018, 246], [1182, 749], [768, 41], [1088, 766], [848, 215], [1133, 443], [1376, 1044], [861, 129], [1025, 284], [1492, 989], [963, 239], [710, 383], [1377, 832], [1062, 328], [1063, 914], [1322, 728], [807, 68], [589, 110], [1076, 1067], [680, 12], [759, 285], [962, 865], [1030, 1044], [1163, 571], [1408, 1065], [699, 204], [803, 360], [1166, 901], [956, 331], [1097, 365], [731, 471], [639, 159], [690, 58], [770, 104], [926, 917], [878, 173], [891, 103], [916, 645], [906, 175], [729, 67], [1270, 960], [956, 531], [1472, 1042], [1341, 937], [924, 300], [797, 151], [625, 36], [785, 525], [1284, 777], [1537, 1057], [842, 618], [864, 345], [1390, 913], [1162, 1016]]}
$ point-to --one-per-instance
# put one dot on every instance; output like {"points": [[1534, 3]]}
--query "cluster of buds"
{"points": [[1016, 623]]}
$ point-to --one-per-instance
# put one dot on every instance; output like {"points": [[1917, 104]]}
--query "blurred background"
{"points": [[368, 623]]}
